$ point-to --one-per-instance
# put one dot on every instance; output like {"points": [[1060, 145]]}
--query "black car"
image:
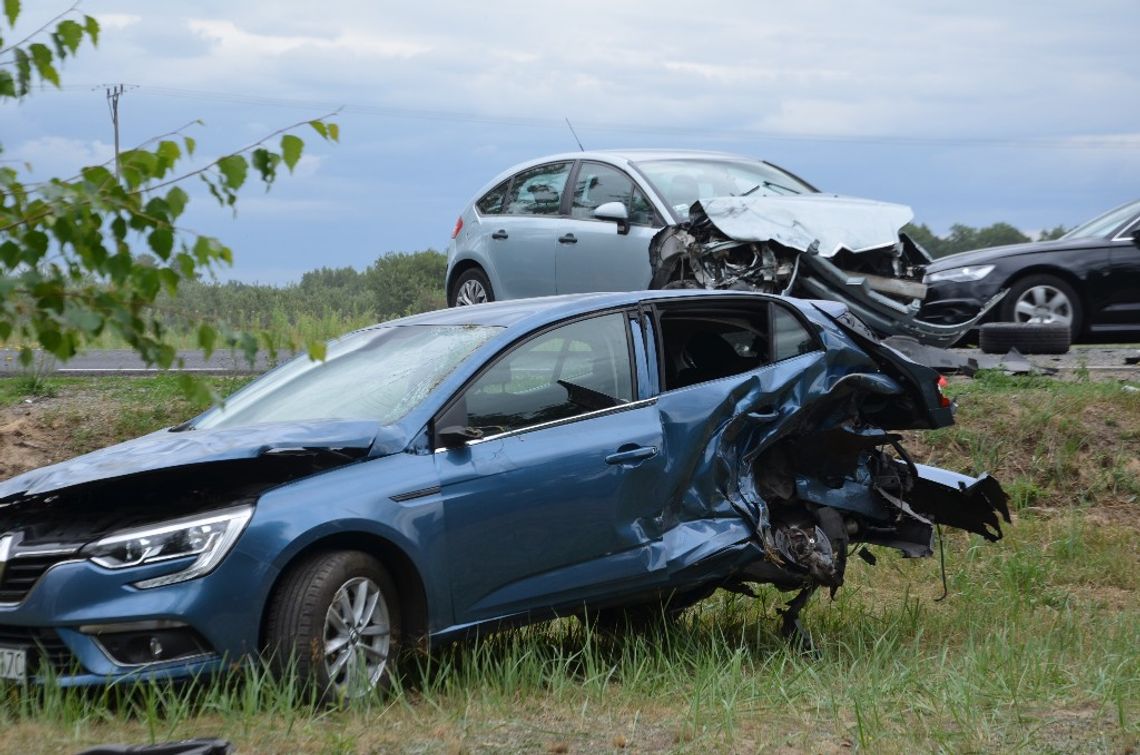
{"points": [[1089, 279]]}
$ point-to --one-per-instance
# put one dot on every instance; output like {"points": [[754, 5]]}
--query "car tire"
{"points": [[1043, 299], [344, 597], [1028, 338], [471, 287]]}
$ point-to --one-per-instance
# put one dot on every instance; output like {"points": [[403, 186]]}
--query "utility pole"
{"points": [[114, 92]]}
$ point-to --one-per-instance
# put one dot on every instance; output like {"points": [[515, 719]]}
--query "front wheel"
{"points": [[334, 621], [1043, 299], [471, 287]]}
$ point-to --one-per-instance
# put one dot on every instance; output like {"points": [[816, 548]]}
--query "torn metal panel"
{"points": [[814, 477], [825, 223], [816, 246], [952, 362], [959, 501], [885, 314], [943, 360]]}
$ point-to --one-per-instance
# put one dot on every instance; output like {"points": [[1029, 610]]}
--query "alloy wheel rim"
{"points": [[471, 292], [357, 637], [1044, 304]]}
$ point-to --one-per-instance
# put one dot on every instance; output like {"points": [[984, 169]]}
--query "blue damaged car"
{"points": [[480, 467]]}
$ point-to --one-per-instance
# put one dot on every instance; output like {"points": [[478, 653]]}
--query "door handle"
{"points": [[632, 455], [499, 234], [567, 239]]}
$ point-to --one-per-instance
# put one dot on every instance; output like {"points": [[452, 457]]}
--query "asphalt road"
{"points": [[126, 362]]}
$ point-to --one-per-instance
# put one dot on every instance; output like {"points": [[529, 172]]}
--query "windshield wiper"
{"points": [[770, 185]]}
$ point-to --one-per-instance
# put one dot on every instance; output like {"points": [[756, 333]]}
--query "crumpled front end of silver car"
{"points": [[815, 246]]}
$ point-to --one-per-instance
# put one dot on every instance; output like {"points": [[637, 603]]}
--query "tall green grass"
{"points": [[1033, 650]]}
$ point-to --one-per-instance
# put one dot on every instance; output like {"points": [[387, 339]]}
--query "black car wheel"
{"points": [[334, 622], [1043, 299], [471, 287], [1028, 338]]}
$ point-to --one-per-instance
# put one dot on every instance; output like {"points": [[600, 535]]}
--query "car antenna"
{"points": [[575, 133]]}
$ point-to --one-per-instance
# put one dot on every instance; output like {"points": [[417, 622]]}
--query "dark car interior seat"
{"points": [[709, 357]]}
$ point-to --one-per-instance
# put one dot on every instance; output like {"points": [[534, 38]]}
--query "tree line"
{"points": [[327, 301], [963, 238], [324, 303]]}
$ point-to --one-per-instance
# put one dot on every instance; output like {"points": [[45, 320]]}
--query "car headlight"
{"points": [[209, 537], [960, 274]]}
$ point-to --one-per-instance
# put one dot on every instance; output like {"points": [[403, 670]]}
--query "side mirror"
{"points": [[457, 436], [1136, 237], [614, 211]]}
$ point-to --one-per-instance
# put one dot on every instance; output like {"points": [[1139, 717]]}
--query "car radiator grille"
{"points": [[21, 574], [45, 646]]}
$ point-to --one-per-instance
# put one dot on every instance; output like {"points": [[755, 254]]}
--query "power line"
{"points": [[1069, 142]]}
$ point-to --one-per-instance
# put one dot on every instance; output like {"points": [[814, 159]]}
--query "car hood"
{"points": [[799, 222], [170, 448], [994, 253]]}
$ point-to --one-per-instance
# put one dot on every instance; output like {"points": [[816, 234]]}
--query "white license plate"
{"points": [[14, 664]]}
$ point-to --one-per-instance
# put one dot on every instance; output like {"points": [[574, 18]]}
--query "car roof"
{"points": [[636, 155], [543, 309], [621, 158]]}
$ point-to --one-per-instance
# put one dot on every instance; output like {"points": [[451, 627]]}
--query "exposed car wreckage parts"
{"points": [[954, 362], [814, 246], [811, 478]]}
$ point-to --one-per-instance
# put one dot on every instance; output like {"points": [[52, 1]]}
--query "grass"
{"points": [[1052, 442], [1034, 650]]}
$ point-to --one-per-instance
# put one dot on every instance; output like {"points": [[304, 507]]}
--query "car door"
{"points": [[1122, 306], [519, 241], [558, 499], [731, 373], [604, 255]]}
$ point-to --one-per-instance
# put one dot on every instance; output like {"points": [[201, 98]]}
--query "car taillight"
{"points": [[943, 400], [458, 227]]}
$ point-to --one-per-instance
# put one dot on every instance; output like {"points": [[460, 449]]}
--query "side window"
{"points": [[708, 344], [491, 203], [597, 184], [571, 370], [789, 335], [538, 191]]}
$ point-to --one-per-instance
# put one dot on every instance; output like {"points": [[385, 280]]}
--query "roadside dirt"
{"points": [[45, 430], [28, 439]]}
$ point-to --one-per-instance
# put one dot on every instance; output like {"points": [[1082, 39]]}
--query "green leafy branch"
{"points": [[90, 254]]}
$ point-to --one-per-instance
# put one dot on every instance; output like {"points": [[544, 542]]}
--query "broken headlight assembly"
{"points": [[207, 537], [967, 274]]}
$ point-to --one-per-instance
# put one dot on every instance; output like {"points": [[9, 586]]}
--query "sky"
{"points": [[969, 112]]}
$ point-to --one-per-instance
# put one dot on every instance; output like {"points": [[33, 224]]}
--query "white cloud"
{"points": [[227, 36], [634, 73], [60, 156], [116, 20], [308, 166]]}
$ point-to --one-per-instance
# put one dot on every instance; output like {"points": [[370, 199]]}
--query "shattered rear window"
{"points": [[378, 374]]}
